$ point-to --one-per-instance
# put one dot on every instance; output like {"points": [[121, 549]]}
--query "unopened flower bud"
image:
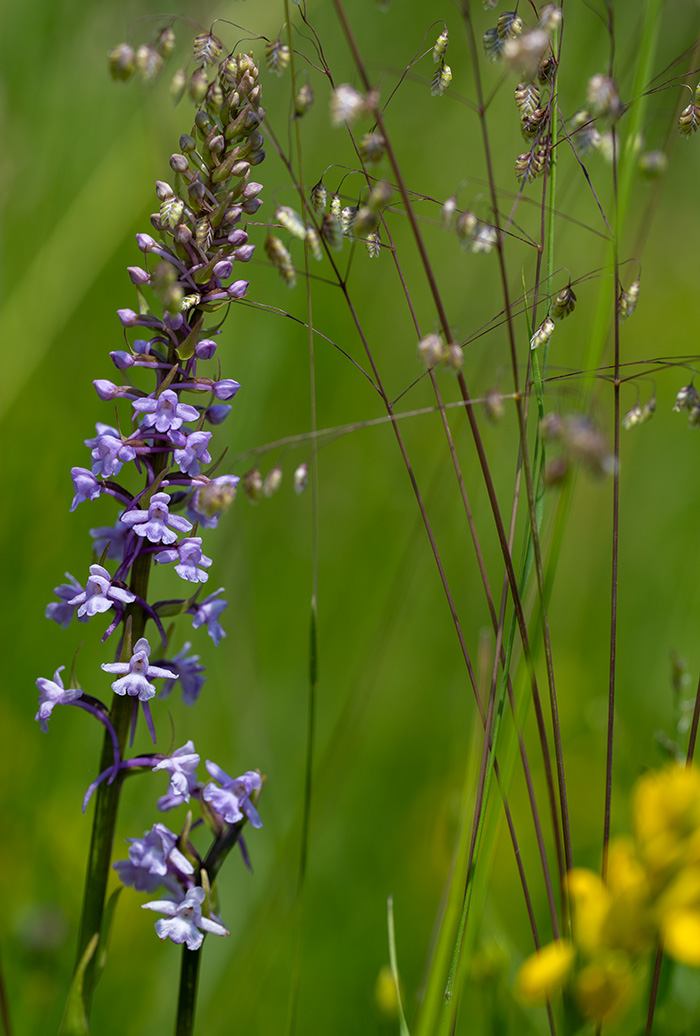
{"points": [[244, 254], [145, 242], [127, 317], [106, 390], [121, 359], [237, 290], [205, 349], [179, 164], [137, 275], [251, 205]]}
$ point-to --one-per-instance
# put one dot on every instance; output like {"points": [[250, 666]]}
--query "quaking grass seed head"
{"points": [[431, 350], [441, 44], [277, 57], [564, 304], [318, 198], [686, 399], [441, 80]]}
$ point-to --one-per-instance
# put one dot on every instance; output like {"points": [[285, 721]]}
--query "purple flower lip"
{"points": [[136, 672], [185, 922], [156, 524], [52, 693], [99, 595]]}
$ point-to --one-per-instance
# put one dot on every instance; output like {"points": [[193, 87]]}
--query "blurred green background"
{"points": [[395, 721]]}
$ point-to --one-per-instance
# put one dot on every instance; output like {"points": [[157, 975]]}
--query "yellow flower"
{"points": [[604, 987], [545, 972], [666, 808], [590, 901], [681, 934]]}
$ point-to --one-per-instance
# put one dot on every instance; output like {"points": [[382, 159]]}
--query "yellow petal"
{"points": [[545, 972]]}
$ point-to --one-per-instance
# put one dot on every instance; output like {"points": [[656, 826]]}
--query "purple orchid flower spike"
{"points": [[185, 922]]}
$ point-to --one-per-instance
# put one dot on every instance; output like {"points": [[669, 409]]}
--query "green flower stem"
{"points": [[187, 997], [107, 795]]}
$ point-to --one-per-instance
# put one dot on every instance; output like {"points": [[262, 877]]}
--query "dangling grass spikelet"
{"points": [[336, 205], [319, 194], [346, 104], [277, 57], [314, 241], [281, 259], [441, 80], [373, 244], [527, 98], [431, 350], [347, 219], [291, 221], [531, 164], [206, 49], [165, 43], [372, 148], [686, 399], [564, 303], [466, 228], [303, 100], [441, 44], [204, 233], [331, 231], [628, 301], [689, 119], [543, 333]]}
